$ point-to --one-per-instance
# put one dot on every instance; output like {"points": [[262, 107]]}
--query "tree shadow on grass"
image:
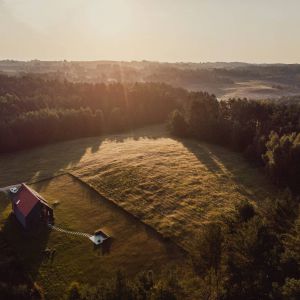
{"points": [[202, 153], [43, 162], [40, 163], [29, 246], [250, 181]]}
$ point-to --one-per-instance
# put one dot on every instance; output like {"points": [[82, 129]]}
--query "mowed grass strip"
{"points": [[135, 247], [175, 186]]}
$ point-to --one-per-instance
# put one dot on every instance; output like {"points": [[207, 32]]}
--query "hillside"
{"points": [[175, 186], [225, 80], [134, 247]]}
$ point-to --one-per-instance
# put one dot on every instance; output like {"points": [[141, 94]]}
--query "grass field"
{"points": [[135, 247], [175, 186], [50, 160]]}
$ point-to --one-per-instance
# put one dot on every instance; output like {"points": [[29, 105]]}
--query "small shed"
{"points": [[99, 237], [30, 208]]}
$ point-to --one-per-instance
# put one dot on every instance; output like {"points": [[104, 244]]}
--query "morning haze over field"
{"points": [[149, 150]]}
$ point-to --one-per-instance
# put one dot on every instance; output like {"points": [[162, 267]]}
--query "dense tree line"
{"points": [[35, 111], [267, 133], [186, 76]]}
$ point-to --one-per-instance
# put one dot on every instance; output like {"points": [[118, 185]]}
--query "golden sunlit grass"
{"points": [[50, 160], [175, 186], [134, 248]]}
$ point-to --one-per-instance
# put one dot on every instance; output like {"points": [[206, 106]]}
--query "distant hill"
{"points": [[224, 79]]}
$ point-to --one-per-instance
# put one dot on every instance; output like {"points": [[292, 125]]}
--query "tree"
{"points": [[177, 124]]}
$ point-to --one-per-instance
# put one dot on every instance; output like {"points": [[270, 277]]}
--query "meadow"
{"points": [[134, 246], [173, 185]]}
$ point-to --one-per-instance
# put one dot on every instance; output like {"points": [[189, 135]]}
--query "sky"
{"points": [[256, 31]]}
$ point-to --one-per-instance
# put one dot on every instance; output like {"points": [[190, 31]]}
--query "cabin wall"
{"points": [[19, 216], [47, 213], [34, 217]]}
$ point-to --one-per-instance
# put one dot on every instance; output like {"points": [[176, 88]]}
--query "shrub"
{"points": [[245, 210]]}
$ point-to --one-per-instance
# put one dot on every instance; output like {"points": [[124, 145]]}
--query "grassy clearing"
{"points": [[175, 186], [44, 162], [135, 247]]}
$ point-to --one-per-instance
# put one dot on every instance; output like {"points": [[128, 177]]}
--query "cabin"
{"points": [[30, 208]]}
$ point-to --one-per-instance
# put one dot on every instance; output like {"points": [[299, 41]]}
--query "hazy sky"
{"points": [[163, 30]]}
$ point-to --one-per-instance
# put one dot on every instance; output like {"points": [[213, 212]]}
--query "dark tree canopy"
{"points": [[35, 111]]}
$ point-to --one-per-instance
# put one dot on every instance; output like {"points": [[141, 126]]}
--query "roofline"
{"points": [[35, 193]]}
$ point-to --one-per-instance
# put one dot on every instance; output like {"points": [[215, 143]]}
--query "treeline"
{"points": [[267, 133], [277, 72], [186, 76], [35, 111]]}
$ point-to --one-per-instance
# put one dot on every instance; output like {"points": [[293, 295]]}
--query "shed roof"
{"points": [[26, 199]]}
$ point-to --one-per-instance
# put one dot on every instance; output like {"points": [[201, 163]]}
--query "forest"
{"points": [[34, 111]]}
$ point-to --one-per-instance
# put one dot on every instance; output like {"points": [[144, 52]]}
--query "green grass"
{"points": [[175, 186], [135, 247], [44, 162]]}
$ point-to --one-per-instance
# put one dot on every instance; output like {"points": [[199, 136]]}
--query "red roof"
{"points": [[26, 200]]}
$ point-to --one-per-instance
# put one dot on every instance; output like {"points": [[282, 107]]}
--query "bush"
{"points": [[245, 211]]}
